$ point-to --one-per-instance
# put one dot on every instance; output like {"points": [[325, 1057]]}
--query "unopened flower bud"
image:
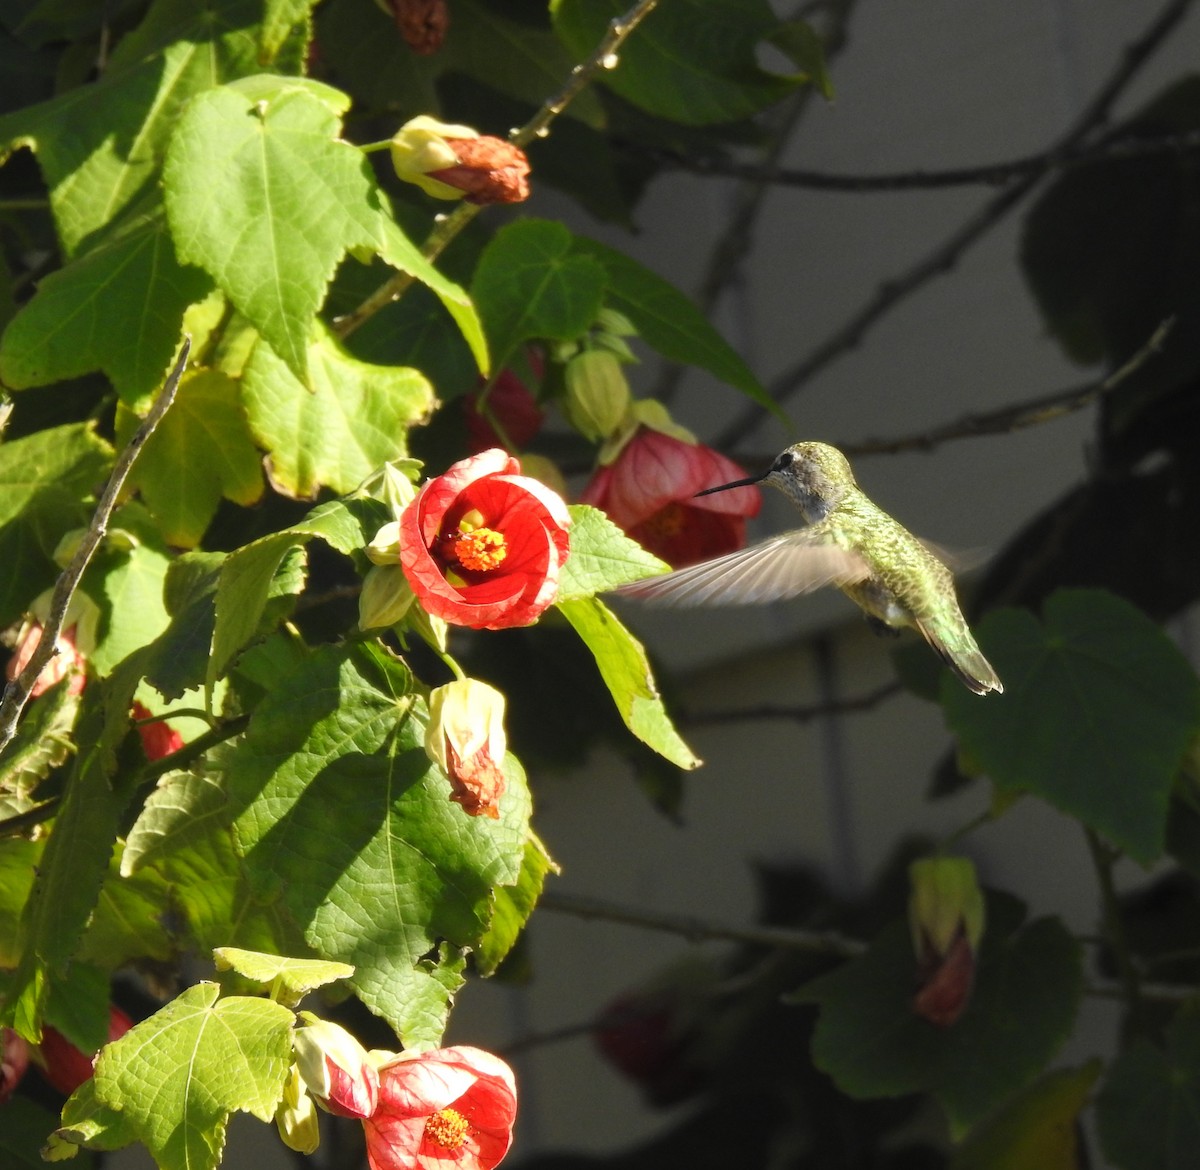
{"points": [[453, 162], [466, 739], [296, 1117], [335, 1068], [385, 599], [945, 915], [393, 484], [422, 23], [598, 399], [384, 548]]}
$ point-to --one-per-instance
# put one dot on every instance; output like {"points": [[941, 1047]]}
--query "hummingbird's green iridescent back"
{"points": [[847, 541]]}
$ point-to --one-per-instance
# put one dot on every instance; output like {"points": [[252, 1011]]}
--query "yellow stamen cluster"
{"points": [[481, 549], [447, 1129]]}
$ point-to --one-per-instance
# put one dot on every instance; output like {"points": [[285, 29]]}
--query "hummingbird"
{"points": [[892, 576]]}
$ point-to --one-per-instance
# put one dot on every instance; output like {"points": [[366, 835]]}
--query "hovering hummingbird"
{"points": [[847, 541]]}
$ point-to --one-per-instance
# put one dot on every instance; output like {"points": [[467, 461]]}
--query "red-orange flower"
{"points": [[482, 545], [159, 738], [67, 661], [649, 491], [449, 1108]]}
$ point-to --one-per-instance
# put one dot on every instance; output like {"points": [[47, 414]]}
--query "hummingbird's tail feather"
{"points": [[967, 662]]}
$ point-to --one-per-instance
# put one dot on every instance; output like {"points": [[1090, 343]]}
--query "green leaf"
{"points": [[1098, 709], [23, 1134], [252, 575], [178, 659], [671, 322], [530, 283], [202, 451], [130, 921], [78, 1006], [513, 906], [79, 318], [602, 556], [77, 854], [401, 253], [88, 1123], [18, 867], [625, 669], [99, 145], [266, 198], [286, 980], [43, 480], [350, 418], [42, 742], [1038, 1128], [1149, 1108], [177, 1076], [341, 741], [130, 595], [693, 61], [869, 1040], [181, 809]]}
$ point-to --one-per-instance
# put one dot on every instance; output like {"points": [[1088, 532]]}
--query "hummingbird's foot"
{"points": [[880, 627]]}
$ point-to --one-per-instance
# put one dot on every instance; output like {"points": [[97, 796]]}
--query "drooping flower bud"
{"points": [[422, 23], [159, 738], [598, 397], [945, 916], [453, 162], [67, 1067], [335, 1068], [466, 739], [385, 598], [296, 1117]]}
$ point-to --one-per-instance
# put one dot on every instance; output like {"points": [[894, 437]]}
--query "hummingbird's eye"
{"points": [[784, 461]]}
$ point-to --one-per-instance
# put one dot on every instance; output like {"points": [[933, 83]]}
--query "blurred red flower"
{"points": [[482, 545], [158, 739], [67, 661], [448, 1109], [64, 1065], [14, 1059], [648, 491], [512, 406]]}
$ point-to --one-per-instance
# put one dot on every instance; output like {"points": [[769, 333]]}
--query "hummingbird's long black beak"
{"points": [[736, 483]]}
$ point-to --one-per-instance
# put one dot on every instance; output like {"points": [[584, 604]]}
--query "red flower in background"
{"points": [[67, 661], [159, 738], [449, 1109], [64, 1065], [14, 1059], [648, 491], [482, 545], [513, 407]]}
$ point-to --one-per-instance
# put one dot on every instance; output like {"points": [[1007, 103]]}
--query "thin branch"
{"points": [[728, 255], [796, 714], [946, 255], [988, 174], [1103, 861], [700, 929], [606, 56], [16, 694], [1017, 416]]}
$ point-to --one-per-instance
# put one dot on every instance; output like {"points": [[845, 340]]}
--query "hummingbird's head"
{"points": [[814, 476]]}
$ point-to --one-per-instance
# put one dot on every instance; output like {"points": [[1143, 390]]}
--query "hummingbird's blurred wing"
{"points": [[784, 566]]}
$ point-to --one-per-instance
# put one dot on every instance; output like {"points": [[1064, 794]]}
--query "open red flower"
{"points": [[648, 491], [158, 739], [66, 662], [482, 545], [448, 1109]]}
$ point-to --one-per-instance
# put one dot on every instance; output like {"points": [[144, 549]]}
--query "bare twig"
{"points": [[946, 255], [16, 694], [700, 929], [989, 174], [796, 714], [605, 56], [1017, 416], [728, 255]]}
